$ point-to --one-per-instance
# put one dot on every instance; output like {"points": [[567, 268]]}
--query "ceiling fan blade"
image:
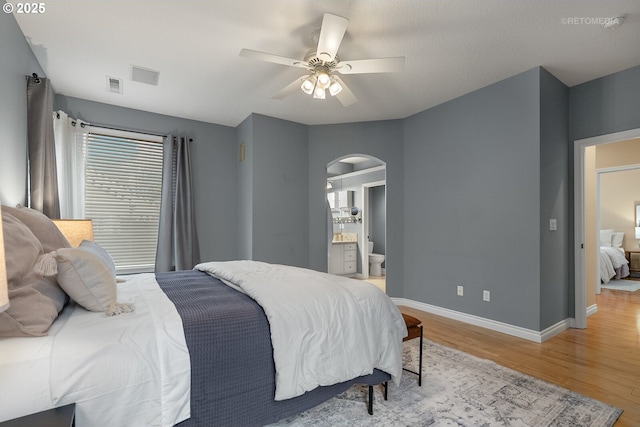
{"points": [[331, 34], [289, 89], [364, 66], [268, 57], [346, 97]]}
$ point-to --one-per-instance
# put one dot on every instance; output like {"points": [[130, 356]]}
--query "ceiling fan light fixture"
{"points": [[322, 62], [323, 78], [308, 85], [335, 88], [319, 93]]}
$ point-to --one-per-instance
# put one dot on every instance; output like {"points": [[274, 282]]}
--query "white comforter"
{"points": [[610, 259], [127, 370], [325, 329]]}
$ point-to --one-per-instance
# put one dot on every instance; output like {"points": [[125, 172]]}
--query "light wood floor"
{"points": [[379, 281], [602, 361]]}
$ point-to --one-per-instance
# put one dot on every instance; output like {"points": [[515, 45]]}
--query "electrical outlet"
{"points": [[486, 296], [460, 291]]}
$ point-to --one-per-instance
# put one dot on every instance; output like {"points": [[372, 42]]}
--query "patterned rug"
{"points": [[460, 390]]}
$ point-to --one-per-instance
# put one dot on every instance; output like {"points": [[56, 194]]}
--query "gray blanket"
{"points": [[232, 369]]}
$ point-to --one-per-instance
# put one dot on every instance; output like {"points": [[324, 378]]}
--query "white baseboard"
{"points": [[505, 328], [593, 309]]}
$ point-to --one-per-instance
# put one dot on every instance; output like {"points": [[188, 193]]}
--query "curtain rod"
{"points": [[128, 130], [35, 77], [123, 130], [84, 124], [37, 80]]}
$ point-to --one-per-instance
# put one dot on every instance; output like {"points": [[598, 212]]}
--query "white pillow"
{"points": [[87, 274], [605, 237], [616, 239]]}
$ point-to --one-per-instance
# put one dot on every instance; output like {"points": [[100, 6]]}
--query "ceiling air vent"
{"points": [[114, 85], [144, 75]]}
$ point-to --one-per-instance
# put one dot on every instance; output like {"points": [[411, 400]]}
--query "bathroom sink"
{"points": [[345, 237]]}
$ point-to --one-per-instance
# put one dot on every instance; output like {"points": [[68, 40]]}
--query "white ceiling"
{"points": [[452, 47]]}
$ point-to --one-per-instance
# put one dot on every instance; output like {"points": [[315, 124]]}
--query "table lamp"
{"points": [[4, 285], [75, 230]]}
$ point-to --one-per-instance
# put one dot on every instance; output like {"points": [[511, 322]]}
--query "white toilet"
{"points": [[375, 262]]}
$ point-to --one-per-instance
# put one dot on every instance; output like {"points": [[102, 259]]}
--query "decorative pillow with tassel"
{"points": [[34, 300], [87, 274], [42, 227]]}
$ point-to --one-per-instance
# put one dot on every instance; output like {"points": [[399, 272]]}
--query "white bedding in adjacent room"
{"points": [[611, 258], [132, 369], [330, 314]]}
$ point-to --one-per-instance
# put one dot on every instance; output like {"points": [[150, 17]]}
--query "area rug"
{"points": [[459, 390], [622, 285]]}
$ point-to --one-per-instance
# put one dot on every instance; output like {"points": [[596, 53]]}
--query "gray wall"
{"points": [[279, 197], [380, 139], [213, 160], [605, 105], [16, 62], [472, 202], [555, 297], [244, 197]]}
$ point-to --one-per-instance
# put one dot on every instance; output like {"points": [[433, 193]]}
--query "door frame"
{"points": [[580, 288], [364, 239]]}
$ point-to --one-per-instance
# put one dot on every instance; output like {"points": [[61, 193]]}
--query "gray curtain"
{"points": [[43, 181], [177, 237]]}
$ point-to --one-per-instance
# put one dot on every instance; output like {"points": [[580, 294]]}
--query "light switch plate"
{"points": [[553, 224]]}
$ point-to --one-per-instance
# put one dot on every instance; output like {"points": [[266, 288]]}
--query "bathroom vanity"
{"points": [[343, 258], [344, 254]]}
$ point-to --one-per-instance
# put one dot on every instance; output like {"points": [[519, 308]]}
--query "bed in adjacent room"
{"points": [[612, 261], [190, 348]]}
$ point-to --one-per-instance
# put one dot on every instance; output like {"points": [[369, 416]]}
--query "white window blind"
{"points": [[123, 185]]}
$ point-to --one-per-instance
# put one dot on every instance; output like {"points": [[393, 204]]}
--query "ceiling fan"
{"points": [[323, 64]]}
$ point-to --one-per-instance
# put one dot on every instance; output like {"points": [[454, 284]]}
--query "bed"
{"points": [[612, 261], [185, 348]]}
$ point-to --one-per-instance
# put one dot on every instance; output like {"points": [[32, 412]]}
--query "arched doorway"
{"points": [[356, 216]]}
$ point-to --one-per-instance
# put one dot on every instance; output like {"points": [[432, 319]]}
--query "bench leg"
{"points": [[370, 405], [419, 371], [420, 361]]}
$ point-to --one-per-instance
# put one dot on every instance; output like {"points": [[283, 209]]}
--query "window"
{"points": [[122, 191]]}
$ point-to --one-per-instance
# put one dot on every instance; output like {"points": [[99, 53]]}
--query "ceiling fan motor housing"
{"points": [[313, 61]]}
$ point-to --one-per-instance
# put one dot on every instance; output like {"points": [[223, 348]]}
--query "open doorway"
{"points": [[356, 215], [374, 226], [618, 215], [586, 241]]}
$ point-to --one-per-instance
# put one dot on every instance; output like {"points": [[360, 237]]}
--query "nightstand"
{"points": [[57, 417], [628, 255]]}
